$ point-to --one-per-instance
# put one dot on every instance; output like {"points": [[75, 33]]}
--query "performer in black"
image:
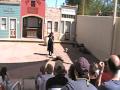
{"points": [[50, 43]]}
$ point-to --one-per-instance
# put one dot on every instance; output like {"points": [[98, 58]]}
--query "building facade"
{"points": [[62, 22], [10, 20], [32, 18], [52, 21], [68, 23]]}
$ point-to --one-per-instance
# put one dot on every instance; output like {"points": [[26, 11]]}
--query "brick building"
{"points": [[52, 21], [62, 22]]}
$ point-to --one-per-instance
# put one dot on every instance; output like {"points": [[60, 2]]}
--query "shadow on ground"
{"points": [[42, 44], [74, 53], [41, 54]]}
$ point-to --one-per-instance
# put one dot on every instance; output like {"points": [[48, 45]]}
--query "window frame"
{"points": [[33, 3], [6, 25], [56, 26], [49, 28], [62, 27]]}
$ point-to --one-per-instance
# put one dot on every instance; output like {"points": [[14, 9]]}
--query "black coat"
{"points": [[50, 43]]}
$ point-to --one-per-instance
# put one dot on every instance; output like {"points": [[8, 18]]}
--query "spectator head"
{"points": [[114, 63], [93, 71], [49, 69], [42, 69], [4, 70], [71, 72], [106, 69], [82, 68], [59, 68]]}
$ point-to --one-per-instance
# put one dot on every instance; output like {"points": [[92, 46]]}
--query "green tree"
{"points": [[93, 7], [101, 7], [83, 5], [72, 2]]}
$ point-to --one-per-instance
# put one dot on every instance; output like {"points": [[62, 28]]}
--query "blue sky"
{"points": [[52, 3]]}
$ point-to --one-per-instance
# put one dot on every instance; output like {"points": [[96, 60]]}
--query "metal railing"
{"points": [[16, 86], [28, 84]]}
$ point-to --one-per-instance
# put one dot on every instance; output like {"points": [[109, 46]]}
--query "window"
{"points": [[56, 26], [3, 23], [65, 16], [32, 3], [62, 27], [49, 26], [68, 16], [32, 22]]}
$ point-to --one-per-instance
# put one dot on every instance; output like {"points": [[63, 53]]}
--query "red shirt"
{"points": [[106, 76]]}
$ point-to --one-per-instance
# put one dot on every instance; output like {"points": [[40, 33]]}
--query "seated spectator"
{"points": [[5, 78], [106, 75], [114, 67], [59, 80], [2, 87], [48, 74], [38, 77], [94, 73], [82, 77], [71, 71], [99, 73]]}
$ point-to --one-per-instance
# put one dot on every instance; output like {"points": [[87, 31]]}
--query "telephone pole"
{"points": [[56, 3], [83, 11], [114, 28]]}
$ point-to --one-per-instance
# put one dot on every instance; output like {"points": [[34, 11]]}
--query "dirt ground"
{"points": [[23, 59]]}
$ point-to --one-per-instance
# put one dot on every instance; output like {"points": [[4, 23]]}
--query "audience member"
{"points": [[106, 75], [101, 69], [71, 73], [94, 73], [5, 78], [48, 74], [82, 77], [114, 67], [38, 77], [59, 80]]}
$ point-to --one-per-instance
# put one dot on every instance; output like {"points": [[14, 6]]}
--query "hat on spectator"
{"points": [[82, 65]]}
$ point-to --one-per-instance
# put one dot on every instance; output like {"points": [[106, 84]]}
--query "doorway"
{"points": [[12, 27], [32, 27], [67, 30]]}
